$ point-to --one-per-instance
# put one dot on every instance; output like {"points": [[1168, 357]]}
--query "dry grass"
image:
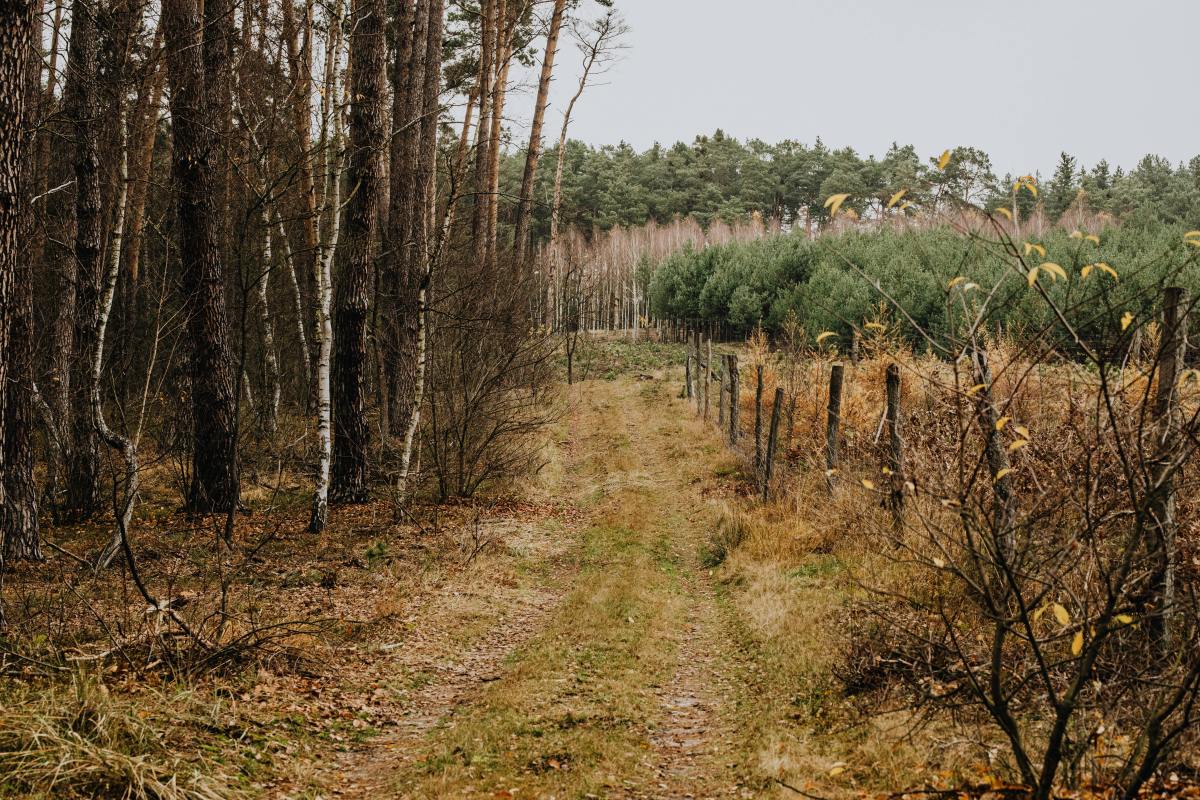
{"points": [[79, 739]]}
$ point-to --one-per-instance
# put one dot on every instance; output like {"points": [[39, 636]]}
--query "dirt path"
{"points": [[692, 740], [593, 663]]}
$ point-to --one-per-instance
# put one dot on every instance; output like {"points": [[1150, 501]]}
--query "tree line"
{"points": [[720, 177]]}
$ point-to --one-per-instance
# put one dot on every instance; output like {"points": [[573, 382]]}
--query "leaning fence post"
{"points": [[758, 390], [772, 439], [832, 422], [896, 452], [735, 392], [1161, 502]]}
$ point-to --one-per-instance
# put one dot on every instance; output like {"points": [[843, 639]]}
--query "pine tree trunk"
{"points": [[145, 120], [351, 434], [428, 250], [396, 273], [483, 133], [505, 32], [83, 464], [17, 27], [214, 406], [534, 152], [299, 50]]}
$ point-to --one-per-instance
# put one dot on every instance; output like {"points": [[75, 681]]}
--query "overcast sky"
{"points": [[1023, 79]]}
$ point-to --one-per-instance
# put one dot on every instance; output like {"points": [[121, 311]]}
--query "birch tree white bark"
{"points": [[331, 138]]}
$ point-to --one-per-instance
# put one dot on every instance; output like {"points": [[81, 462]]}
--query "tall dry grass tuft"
{"points": [[78, 740]]}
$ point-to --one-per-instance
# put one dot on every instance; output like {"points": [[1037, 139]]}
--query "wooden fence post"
{"points": [[707, 377], [696, 340], [721, 398], [735, 391], [772, 439], [997, 457], [1161, 502], [833, 419], [687, 374], [758, 390], [895, 445]]}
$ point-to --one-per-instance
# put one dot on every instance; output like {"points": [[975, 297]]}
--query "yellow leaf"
{"points": [[1087, 270], [1032, 187], [1037, 615], [939, 563], [1192, 242], [1093, 238], [1000, 423], [1076, 234], [955, 282], [1126, 320], [1022, 431], [1005, 213], [897, 197], [868, 485], [1017, 445], [825, 336], [905, 204], [1000, 475], [1061, 614], [975, 389], [1032, 276], [1124, 619], [835, 202], [1077, 643], [944, 161], [1192, 235], [1100, 265], [833, 773], [1055, 270]]}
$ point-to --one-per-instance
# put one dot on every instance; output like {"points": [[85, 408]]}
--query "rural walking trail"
{"points": [[587, 654]]}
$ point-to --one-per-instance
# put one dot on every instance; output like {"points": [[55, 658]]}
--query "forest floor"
{"points": [[574, 639]]}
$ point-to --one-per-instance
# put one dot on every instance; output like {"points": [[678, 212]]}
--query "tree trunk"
{"points": [[504, 43], [145, 120], [534, 152], [397, 278], [483, 133], [299, 50], [351, 434], [17, 26], [214, 406], [331, 144], [428, 251], [83, 110]]}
